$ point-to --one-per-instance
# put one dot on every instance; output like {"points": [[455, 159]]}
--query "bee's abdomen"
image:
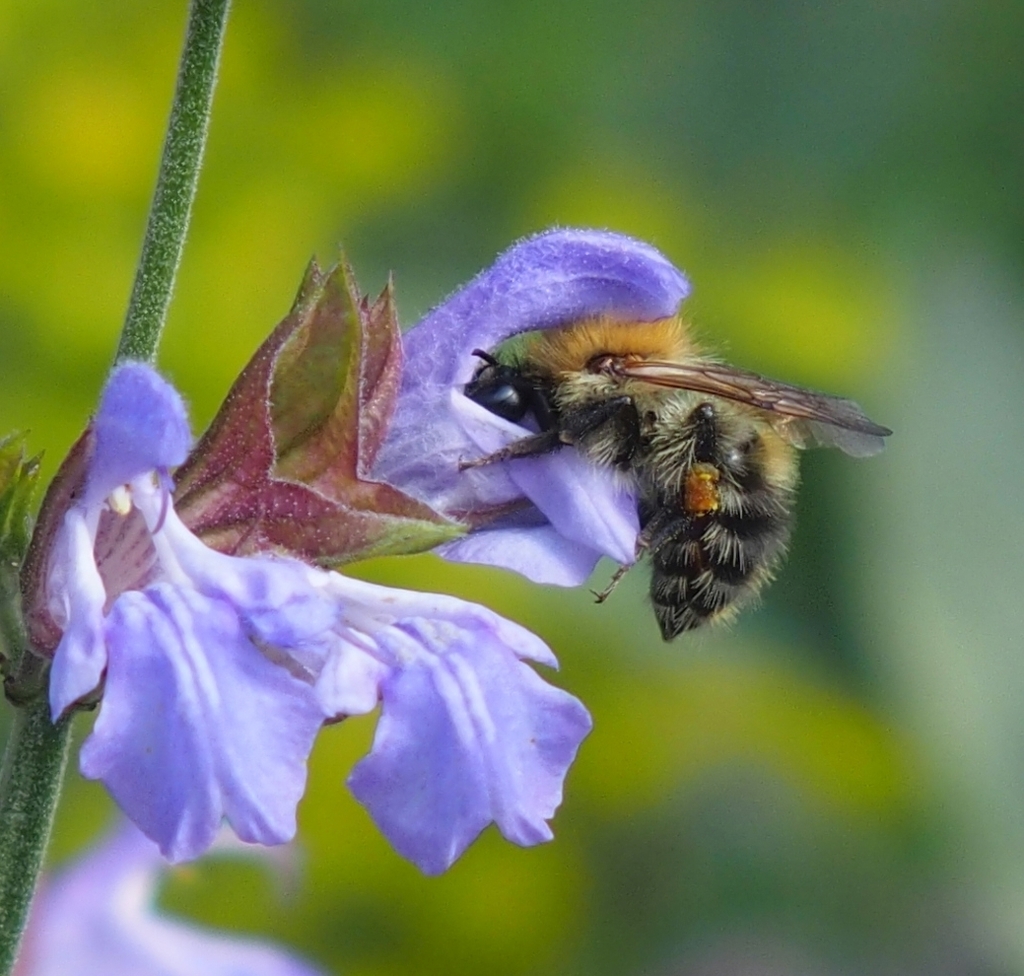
{"points": [[707, 564]]}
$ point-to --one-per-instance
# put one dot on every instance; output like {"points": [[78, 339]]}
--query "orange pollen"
{"points": [[700, 490]]}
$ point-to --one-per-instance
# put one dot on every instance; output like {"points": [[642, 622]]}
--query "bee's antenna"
{"points": [[486, 357]]}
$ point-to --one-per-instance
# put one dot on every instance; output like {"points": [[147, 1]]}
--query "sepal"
{"points": [[285, 464], [19, 477]]}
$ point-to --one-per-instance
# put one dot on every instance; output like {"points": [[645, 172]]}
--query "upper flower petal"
{"points": [[96, 918], [197, 724], [141, 426], [548, 280], [468, 734]]}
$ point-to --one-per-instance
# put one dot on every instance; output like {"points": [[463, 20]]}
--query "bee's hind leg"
{"points": [[601, 595], [643, 542]]}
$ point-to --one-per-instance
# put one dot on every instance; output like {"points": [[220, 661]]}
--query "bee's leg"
{"points": [[643, 542], [536, 444], [579, 422], [601, 595]]}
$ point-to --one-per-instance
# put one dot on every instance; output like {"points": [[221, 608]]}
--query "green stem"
{"points": [[30, 782], [176, 184], [36, 753]]}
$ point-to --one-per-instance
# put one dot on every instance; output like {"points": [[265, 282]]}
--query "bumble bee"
{"points": [[710, 449]]}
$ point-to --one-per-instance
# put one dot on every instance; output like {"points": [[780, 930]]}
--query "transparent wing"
{"points": [[803, 417]]}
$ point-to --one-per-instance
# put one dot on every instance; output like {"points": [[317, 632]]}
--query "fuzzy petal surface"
{"points": [[141, 426], [197, 724], [468, 735], [548, 280]]}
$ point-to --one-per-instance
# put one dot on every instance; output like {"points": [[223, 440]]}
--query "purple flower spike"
{"points": [[96, 918], [555, 278]]}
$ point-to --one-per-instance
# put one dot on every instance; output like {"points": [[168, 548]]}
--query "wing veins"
{"points": [[754, 390]]}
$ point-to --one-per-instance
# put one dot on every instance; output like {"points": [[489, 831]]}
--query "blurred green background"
{"points": [[834, 785]]}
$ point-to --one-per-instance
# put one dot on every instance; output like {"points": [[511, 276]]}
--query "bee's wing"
{"points": [[803, 417]]}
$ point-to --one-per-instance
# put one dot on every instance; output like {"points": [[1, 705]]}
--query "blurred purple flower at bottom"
{"points": [[575, 512], [97, 918]]}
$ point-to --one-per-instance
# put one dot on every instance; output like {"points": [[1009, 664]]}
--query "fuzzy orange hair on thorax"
{"points": [[570, 348]]}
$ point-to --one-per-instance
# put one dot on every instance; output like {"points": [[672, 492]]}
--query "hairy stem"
{"points": [[30, 781], [36, 753], [176, 183]]}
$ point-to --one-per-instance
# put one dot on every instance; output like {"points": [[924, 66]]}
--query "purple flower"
{"points": [[217, 671], [578, 512], [197, 723], [96, 918]]}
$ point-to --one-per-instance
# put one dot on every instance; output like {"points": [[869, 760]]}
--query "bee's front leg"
{"points": [[533, 446]]}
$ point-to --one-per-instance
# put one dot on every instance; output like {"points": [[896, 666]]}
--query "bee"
{"points": [[710, 450]]}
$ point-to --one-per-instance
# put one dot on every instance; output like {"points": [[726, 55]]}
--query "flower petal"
{"points": [[367, 606], [467, 735], [551, 279], [539, 553], [141, 426], [583, 502], [284, 602], [197, 724], [349, 683], [77, 597]]}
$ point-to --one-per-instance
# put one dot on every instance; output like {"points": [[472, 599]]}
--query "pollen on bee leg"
{"points": [[700, 490], [120, 500]]}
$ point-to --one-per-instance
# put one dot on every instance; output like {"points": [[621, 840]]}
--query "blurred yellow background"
{"points": [[834, 785]]}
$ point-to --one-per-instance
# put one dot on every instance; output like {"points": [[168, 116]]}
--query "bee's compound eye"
{"points": [[503, 399]]}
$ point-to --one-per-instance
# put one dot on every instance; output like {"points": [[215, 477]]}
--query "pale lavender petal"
{"points": [[367, 606], [77, 596], [583, 502], [539, 553], [349, 683], [551, 279], [284, 602], [96, 918], [197, 724], [141, 426], [468, 735]]}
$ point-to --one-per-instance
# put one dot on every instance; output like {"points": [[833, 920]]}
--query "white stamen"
{"points": [[120, 500]]}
